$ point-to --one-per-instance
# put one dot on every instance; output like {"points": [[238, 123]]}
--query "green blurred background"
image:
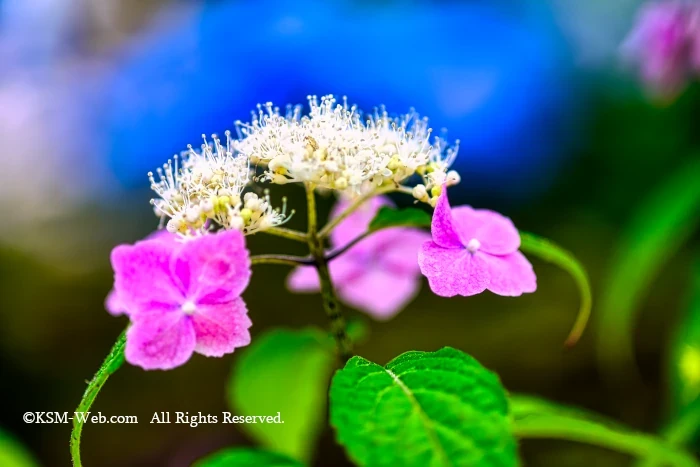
{"points": [[63, 214]]}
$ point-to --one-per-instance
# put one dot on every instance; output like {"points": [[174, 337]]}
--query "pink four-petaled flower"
{"points": [[183, 297], [380, 274], [113, 303], [473, 250]]}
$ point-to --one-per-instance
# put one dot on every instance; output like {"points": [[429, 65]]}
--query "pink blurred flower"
{"points": [[380, 274], [113, 303], [183, 297], [665, 42], [473, 250]]}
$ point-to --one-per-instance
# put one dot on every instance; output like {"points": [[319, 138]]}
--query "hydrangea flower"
{"points": [[113, 303], [665, 42], [473, 250], [183, 297], [205, 187], [336, 147], [380, 274]]}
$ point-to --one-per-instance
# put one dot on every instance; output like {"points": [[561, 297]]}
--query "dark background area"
{"points": [[555, 134]]}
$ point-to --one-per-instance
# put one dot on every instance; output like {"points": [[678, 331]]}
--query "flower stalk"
{"points": [[587, 432], [333, 223], [330, 301], [287, 233], [112, 363]]}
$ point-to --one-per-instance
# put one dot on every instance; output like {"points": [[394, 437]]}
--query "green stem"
{"points": [[311, 211], [583, 431], [287, 233], [335, 314], [111, 364], [333, 223], [282, 259], [330, 302], [552, 253]]}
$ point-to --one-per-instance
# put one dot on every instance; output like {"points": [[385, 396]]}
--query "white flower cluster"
{"points": [[334, 147], [203, 188]]}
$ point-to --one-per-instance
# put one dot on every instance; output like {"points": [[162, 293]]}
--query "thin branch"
{"points": [[311, 211], [339, 251], [333, 223], [114, 360], [282, 259], [287, 233]]}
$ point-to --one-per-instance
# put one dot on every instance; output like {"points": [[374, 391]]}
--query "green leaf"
{"points": [[536, 418], [13, 454], [244, 457], [552, 253], [660, 226], [424, 409], [406, 217], [288, 372]]}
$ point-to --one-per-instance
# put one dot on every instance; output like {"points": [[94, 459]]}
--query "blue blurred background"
{"points": [[94, 94]]}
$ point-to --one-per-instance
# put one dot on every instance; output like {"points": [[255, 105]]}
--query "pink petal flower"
{"points": [[220, 328], [142, 276], [442, 225], [213, 268], [113, 303], [496, 233], [356, 223], [304, 279], [485, 258], [380, 274], [397, 250], [182, 297], [380, 293], [510, 275], [160, 341], [453, 272]]}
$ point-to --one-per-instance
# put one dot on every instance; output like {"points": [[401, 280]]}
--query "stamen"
{"points": [[188, 307]]}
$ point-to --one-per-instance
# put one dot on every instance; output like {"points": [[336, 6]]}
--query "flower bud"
{"points": [[253, 204], [394, 163], [331, 166], [453, 177], [420, 193], [236, 223], [280, 164], [174, 225], [341, 183], [278, 179], [224, 202], [192, 214], [245, 214], [207, 205]]}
